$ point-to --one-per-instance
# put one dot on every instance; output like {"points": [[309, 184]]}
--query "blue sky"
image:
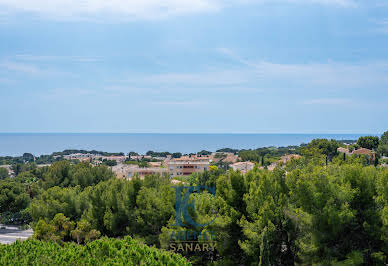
{"points": [[192, 66]]}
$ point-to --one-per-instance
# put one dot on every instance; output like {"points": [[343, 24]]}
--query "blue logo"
{"points": [[183, 205]]}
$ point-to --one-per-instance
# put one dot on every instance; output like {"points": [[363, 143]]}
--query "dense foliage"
{"points": [[105, 251], [3, 173], [68, 152], [323, 208], [265, 156]]}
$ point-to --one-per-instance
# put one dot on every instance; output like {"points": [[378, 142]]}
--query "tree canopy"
{"points": [[105, 251], [321, 209], [368, 142], [3, 173]]}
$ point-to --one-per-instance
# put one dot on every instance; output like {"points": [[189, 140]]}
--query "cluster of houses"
{"points": [[174, 167], [95, 158], [187, 165], [361, 151]]}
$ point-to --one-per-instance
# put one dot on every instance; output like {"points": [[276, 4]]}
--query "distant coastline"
{"points": [[15, 144]]}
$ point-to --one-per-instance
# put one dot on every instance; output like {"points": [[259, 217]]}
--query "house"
{"points": [[244, 167], [225, 157], [122, 170], [140, 157], [142, 172], [187, 165], [364, 151], [272, 166], [118, 159], [283, 160], [286, 158], [343, 150]]}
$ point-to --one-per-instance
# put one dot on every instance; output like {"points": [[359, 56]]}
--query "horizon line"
{"points": [[205, 133]]}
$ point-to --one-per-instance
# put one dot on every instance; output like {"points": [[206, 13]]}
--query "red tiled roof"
{"points": [[362, 151]]}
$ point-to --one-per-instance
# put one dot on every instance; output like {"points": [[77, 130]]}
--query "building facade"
{"points": [[243, 167], [142, 172], [185, 166]]}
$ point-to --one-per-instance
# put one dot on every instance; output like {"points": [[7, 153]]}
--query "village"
{"points": [[178, 166], [127, 166]]}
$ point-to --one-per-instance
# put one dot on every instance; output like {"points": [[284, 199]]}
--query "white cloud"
{"points": [[183, 103], [21, 67], [213, 78], [329, 101], [131, 9], [63, 93], [336, 75], [342, 3], [332, 74], [345, 3], [29, 69], [382, 26], [264, 75], [135, 9], [29, 57], [5, 80]]}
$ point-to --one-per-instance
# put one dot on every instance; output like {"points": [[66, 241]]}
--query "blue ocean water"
{"points": [[15, 144]]}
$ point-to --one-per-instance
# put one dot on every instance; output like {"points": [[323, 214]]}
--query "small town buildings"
{"points": [[225, 157], [343, 150], [122, 170], [118, 159], [244, 167], [283, 160], [188, 165], [9, 169], [142, 172], [140, 157], [364, 151], [286, 158], [155, 164], [80, 156]]}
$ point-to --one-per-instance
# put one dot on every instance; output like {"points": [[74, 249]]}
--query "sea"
{"points": [[15, 144]]}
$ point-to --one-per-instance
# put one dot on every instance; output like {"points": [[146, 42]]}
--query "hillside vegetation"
{"points": [[105, 251]]}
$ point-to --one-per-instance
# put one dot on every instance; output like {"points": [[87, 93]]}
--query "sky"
{"points": [[194, 66]]}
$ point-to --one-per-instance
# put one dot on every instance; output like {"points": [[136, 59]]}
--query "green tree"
{"points": [[105, 251], [64, 174], [384, 138], [13, 197], [336, 208], [83, 233], [68, 201], [204, 152], [3, 173], [249, 155], [176, 155], [368, 142], [383, 149], [269, 231], [109, 162], [324, 146], [28, 157], [383, 146], [112, 206], [20, 167], [155, 207]]}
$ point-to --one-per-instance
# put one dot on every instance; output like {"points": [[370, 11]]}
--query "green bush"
{"points": [[105, 251]]}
